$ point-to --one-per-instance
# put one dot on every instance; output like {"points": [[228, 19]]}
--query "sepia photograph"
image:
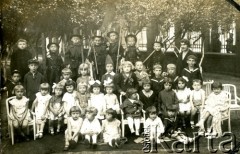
{"points": [[115, 76]]}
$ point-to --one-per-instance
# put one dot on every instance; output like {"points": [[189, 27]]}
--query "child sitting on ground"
{"points": [[183, 95], [40, 108], [111, 128], [197, 100], [55, 108], [97, 99], [154, 124], [172, 129], [10, 84], [132, 109], [19, 112], [70, 98], [74, 123], [91, 127], [216, 108]]}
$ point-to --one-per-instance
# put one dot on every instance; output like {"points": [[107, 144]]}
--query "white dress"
{"points": [[93, 126], [112, 102], [184, 98], [71, 100], [110, 130], [19, 107], [42, 102], [154, 128], [98, 102], [75, 124]]}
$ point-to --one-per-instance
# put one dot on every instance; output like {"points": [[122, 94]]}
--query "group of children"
{"points": [[91, 108]]}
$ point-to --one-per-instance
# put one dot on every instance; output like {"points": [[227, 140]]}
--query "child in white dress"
{"points": [[216, 108], [183, 94], [69, 99], [111, 128], [97, 99], [154, 124], [40, 106], [74, 123], [91, 127], [55, 108], [197, 99], [110, 98], [19, 112]]}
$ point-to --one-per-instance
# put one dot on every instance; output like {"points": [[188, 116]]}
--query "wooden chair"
{"points": [[124, 121], [234, 99], [10, 125]]}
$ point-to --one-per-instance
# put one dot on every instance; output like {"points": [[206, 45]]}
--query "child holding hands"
{"points": [[40, 105]]}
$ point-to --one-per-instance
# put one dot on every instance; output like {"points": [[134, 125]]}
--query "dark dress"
{"points": [[19, 61], [54, 67], [148, 101], [191, 75]]}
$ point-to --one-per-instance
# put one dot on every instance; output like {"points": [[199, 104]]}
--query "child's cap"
{"points": [[108, 60], [33, 61], [112, 112], [157, 66], [151, 109], [171, 66], [130, 91], [131, 36], [54, 40], [44, 86], [92, 110], [191, 57], [217, 85], [108, 34], [21, 40], [75, 109], [15, 72], [146, 81], [108, 83], [95, 83], [66, 71]]}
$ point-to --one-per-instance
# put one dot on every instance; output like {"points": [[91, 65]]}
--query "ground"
{"points": [[55, 144]]}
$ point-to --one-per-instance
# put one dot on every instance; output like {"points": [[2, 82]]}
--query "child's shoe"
{"points": [[118, 143], [51, 131], [40, 135], [112, 143], [37, 135], [72, 144], [66, 148]]}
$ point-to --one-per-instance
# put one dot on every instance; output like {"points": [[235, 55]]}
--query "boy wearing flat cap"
{"points": [[32, 80]]}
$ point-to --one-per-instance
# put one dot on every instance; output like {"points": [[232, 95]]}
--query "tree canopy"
{"points": [[56, 17]]}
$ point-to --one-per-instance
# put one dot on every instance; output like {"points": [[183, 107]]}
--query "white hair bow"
{"points": [[107, 82], [92, 82]]}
